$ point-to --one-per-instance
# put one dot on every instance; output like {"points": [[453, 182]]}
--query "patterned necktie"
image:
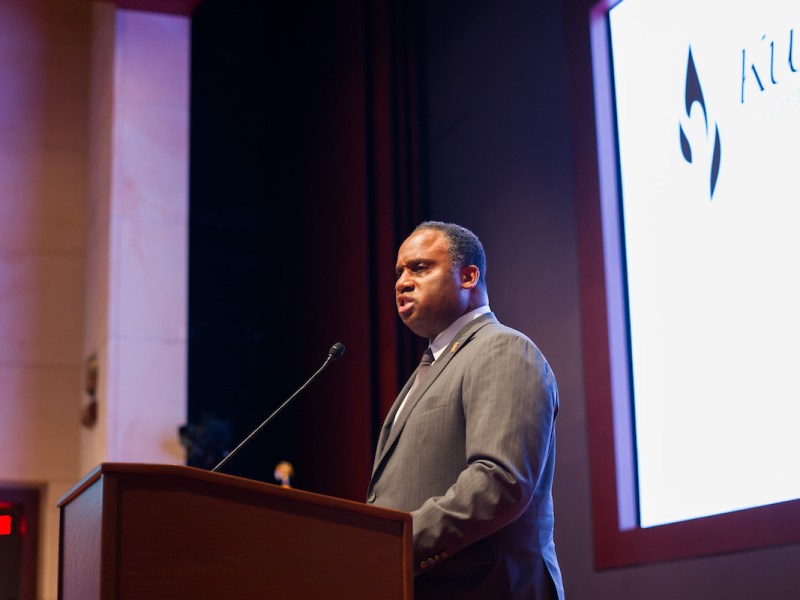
{"points": [[422, 370]]}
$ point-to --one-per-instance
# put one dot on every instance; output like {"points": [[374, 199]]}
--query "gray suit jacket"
{"points": [[471, 456]]}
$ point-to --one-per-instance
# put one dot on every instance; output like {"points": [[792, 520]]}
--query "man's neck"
{"points": [[441, 341]]}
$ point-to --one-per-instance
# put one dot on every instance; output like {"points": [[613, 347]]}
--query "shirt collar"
{"points": [[442, 341]]}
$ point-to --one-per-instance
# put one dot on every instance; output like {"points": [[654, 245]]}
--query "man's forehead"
{"points": [[424, 244]]}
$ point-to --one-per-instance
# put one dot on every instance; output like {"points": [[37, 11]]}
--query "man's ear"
{"points": [[470, 276]]}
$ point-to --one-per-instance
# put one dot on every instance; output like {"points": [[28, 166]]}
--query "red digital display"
{"points": [[5, 524]]}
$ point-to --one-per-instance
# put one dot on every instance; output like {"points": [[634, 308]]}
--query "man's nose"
{"points": [[403, 283]]}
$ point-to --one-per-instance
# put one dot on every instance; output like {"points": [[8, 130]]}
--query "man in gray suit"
{"points": [[469, 445]]}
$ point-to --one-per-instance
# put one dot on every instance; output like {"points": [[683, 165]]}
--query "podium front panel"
{"points": [[138, 531]]}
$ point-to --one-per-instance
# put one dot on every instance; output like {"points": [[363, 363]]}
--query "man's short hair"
{"points": [[464, 248]]}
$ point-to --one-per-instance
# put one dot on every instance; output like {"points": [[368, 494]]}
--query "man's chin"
{"points": [[416, 327]]}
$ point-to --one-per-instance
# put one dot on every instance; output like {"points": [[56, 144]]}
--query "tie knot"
{"points": [[427, 358]]}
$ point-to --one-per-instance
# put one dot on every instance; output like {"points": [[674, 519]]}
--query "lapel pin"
{"points": [[454, 347]]}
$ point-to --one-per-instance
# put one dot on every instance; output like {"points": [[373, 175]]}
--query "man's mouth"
{"points": [[404, 305]]}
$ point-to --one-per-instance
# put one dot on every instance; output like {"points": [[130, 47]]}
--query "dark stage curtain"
{"points": [[305, 176]]}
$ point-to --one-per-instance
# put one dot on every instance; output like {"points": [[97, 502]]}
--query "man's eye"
{"points": [[412, 269]]}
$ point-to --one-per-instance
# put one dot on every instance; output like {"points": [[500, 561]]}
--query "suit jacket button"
{"points": [[371, 498]]}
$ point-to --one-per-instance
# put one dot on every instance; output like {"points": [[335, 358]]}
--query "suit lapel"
{"points": [[439, 365], [387, 423]]}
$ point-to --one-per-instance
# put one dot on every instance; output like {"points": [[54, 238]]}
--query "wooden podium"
{"points": [[172, 532]]}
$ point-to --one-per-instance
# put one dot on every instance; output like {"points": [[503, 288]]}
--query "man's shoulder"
{"points": [[494, 328], [504, 344], [491, 336]]}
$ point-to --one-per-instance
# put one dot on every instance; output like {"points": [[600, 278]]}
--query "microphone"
{"points": [[335, 352]]}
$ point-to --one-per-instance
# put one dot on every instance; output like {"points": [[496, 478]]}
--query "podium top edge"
{"points": [[193, 473]]}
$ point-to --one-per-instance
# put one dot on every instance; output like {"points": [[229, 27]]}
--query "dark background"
{"points": [[292, 226]]}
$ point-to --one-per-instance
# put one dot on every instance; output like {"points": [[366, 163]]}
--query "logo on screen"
{"points": [[694, 95]]}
